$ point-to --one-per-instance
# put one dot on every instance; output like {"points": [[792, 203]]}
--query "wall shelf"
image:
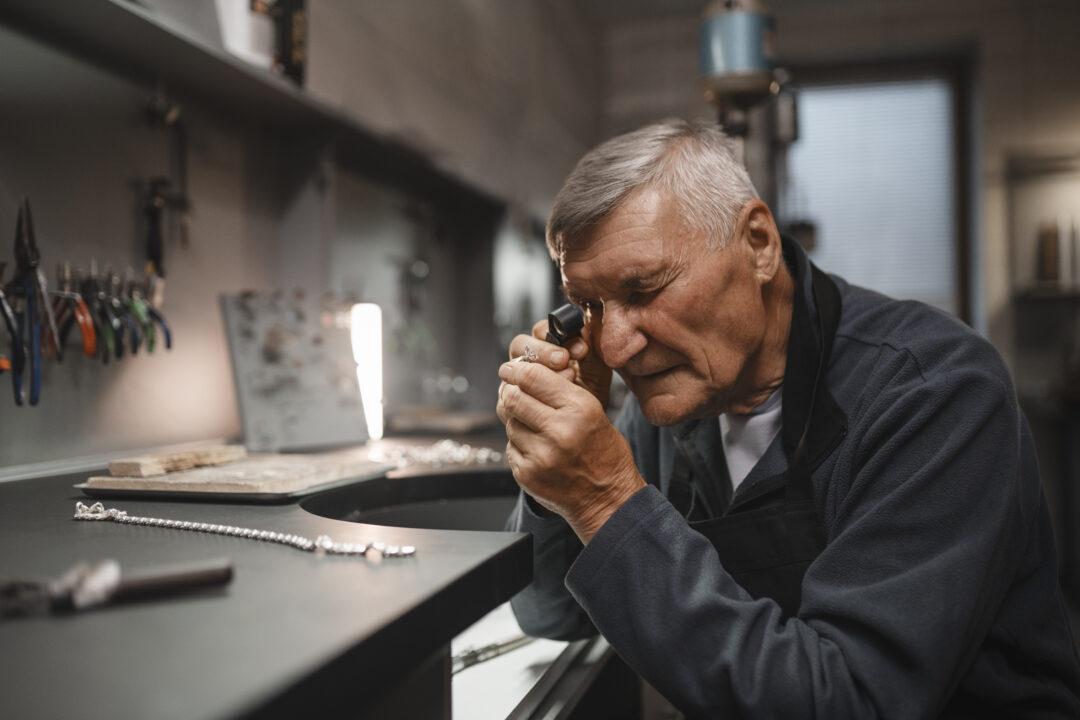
{"points": [[1048, 293], [135, 42], [1042, 190]]}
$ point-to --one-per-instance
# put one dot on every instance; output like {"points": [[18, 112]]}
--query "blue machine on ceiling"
{"points": [[736, 64], [735, 58]]}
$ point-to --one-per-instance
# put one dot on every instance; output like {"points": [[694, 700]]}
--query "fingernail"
{"points": [[504, 371], [557, 356], [577, 348]]}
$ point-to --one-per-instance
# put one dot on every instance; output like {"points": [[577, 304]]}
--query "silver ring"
{"points": [[529, 356]]}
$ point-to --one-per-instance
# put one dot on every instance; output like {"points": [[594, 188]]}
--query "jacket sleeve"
{"points": [[545, 608], [927, 517]]}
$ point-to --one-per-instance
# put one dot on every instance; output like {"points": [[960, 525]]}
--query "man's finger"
{"points": [[551, 388], [516, 404], [513, 455], [540, 329], [538, 350], [528, 444]]}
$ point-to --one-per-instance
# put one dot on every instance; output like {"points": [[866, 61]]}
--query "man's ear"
{"points": [[757, 226]]}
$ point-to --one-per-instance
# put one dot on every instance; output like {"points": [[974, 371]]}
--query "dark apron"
{"points": [[767, 537]]}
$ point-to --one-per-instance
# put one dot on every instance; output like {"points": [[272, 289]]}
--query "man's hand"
{"points": [[575, 362], [561, 447]]}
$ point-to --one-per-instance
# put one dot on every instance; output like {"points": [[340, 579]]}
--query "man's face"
{"points": [[680, 322]]}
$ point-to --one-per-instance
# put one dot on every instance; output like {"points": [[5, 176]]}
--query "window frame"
{"points": [[956, 69]]}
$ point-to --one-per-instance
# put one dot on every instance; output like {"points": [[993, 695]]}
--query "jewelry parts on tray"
{"points": [[322, 544]]}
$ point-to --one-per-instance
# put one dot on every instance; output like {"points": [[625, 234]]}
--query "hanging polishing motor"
{"points": [[736, 59]]}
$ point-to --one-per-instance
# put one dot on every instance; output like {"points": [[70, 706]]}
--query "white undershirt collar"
{"points": [[747, 437]]}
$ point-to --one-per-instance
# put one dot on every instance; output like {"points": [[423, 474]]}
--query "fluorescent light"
{"points": [[367, 352]]}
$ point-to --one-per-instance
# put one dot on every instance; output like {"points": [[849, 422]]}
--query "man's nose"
{"points": [[620, 337]]}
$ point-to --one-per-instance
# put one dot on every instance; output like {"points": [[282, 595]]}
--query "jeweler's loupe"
{"points": [[564, 323]]}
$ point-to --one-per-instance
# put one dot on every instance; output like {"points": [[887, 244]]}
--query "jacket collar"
{"points": [[828, 425]]}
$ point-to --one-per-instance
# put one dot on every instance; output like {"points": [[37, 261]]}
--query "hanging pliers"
{"points": [[145, 314], [113, 286], [157, 317], [33, 310], [71, 310], [108, 327], [17, 359]]}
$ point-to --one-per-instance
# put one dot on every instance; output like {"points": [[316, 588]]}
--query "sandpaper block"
{"points": [[160, 464]]}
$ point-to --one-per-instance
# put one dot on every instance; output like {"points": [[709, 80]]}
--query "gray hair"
{"points": [[692, 160]]}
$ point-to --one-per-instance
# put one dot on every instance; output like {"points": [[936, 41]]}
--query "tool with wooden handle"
{"points": [[89, 585]]}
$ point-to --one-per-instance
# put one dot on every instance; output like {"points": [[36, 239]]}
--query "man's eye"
{"points": [[640, 297]]}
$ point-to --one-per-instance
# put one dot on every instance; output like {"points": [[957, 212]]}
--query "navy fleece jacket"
{"points": [[936, 594]]}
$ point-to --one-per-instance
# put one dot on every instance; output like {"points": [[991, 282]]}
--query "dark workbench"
{"points": [[294, 634]]}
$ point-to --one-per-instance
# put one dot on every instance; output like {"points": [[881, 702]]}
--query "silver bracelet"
{"points": [[322, 544]]}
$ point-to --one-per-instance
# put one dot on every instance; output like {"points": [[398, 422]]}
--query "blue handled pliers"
{"points": [[33, 311]]}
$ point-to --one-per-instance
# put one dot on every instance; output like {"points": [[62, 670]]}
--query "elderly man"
{"points": [[817, 501]]}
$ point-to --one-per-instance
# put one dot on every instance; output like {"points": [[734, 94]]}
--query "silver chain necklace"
{"points": [[322, 544]]}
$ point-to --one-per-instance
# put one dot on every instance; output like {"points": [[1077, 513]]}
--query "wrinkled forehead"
{"points": [[628, 249], [645, 210], [643, 204]]}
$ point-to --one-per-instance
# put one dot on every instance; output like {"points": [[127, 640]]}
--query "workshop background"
{"points": [[411, 156]]}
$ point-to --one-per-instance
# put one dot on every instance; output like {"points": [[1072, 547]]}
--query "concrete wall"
{"points": [[73, 139], [1027, 95], [434, 285], [503, 96]]}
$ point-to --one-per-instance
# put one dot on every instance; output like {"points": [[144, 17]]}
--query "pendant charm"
{"points": [[96, 511]]}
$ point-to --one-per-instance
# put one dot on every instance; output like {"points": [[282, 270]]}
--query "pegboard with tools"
{"points": [[114, 316]]}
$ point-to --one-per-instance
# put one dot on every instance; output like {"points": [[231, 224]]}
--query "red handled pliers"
{"points": [[71, 310]]}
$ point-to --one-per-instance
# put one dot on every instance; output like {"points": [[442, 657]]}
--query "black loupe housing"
{"points": [[564, 323]]}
